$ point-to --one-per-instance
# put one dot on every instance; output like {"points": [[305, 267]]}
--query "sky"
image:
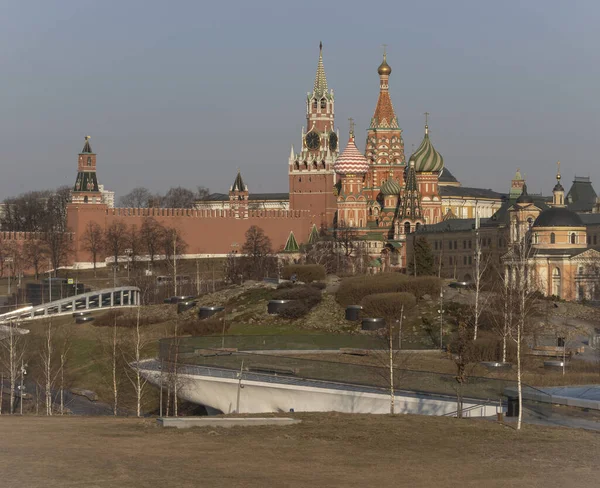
{"points": [[186, 92]]}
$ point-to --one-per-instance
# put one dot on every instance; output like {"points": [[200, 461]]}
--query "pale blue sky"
{"points": [[185, 92]]}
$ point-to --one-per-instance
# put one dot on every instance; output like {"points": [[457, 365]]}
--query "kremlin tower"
{"points": [[311, 174], [86, 185]]}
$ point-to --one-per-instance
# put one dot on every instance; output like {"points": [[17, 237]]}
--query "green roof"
{"points": [[291, 245], [314, 235]]}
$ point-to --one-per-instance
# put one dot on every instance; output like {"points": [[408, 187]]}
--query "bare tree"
{"points": [[34, 252], [93, 241], [60, 247], [257, 249], [202, 193], [13, 354], [179, 197], [464, 352], [173, 246], [138, 343], [56, 205], [116, 240], [480, 266], [114, 358], [152, 237], [139, 197], [134, 246], [233, 268], [521, 280], [47, 355]]}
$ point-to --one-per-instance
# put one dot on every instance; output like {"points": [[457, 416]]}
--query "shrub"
{"points": [[319, 285], [353, 290], [300, 292], [127, 320], [295, 310], [284, 285], [305, 298], [388, 305], [485, 349], [197, 327], [304, 272]]}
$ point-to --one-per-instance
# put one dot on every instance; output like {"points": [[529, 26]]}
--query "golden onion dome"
{"points": [[384, 68]]}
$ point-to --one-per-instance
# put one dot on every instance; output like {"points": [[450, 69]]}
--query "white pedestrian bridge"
{"points": [[107, 298], [228, 391]]}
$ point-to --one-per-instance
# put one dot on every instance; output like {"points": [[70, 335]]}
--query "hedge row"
{"points": [[388, 305], [353, 290], [304, 272]]}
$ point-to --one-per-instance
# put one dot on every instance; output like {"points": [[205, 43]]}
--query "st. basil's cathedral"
{"points": [[377, 194]]}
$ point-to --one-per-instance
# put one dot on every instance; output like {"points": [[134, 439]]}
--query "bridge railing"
{"points": [[302, 342], [491, 389]]}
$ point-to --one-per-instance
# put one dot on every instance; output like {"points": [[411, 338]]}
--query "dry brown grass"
{"points": [[324, 450]]}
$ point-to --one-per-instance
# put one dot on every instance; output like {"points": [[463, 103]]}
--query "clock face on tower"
{"points": [[312, 140], [333, 141]]}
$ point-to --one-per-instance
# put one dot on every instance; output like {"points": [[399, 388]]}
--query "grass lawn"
{"points": [[325, 450]]}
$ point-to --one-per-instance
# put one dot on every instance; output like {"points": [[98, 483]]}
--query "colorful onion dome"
{"points": [[390, 187], [426, 158], [351, 161]]}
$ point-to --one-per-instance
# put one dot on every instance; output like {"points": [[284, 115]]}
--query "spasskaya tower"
{"points": [[311, 173]]}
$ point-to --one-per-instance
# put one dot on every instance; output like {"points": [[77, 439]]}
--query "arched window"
{"points": [[89, 161], [530, 222], [85, 199], [417, 226], [323, 103], [407, 227], [573, 238], [315, 165], [315, 104], [556, 284], [552, 238], [297, 165]]}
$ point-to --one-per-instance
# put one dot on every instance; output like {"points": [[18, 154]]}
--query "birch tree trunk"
{"points": [[115, 385]]}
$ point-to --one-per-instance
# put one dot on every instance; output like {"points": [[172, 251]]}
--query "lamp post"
{"points": [[9, 261], [22, 387], [128, 254], [441, 312]]}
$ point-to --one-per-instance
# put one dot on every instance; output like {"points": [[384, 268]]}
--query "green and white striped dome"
{"points": [[390, 187], [426, 158]]}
